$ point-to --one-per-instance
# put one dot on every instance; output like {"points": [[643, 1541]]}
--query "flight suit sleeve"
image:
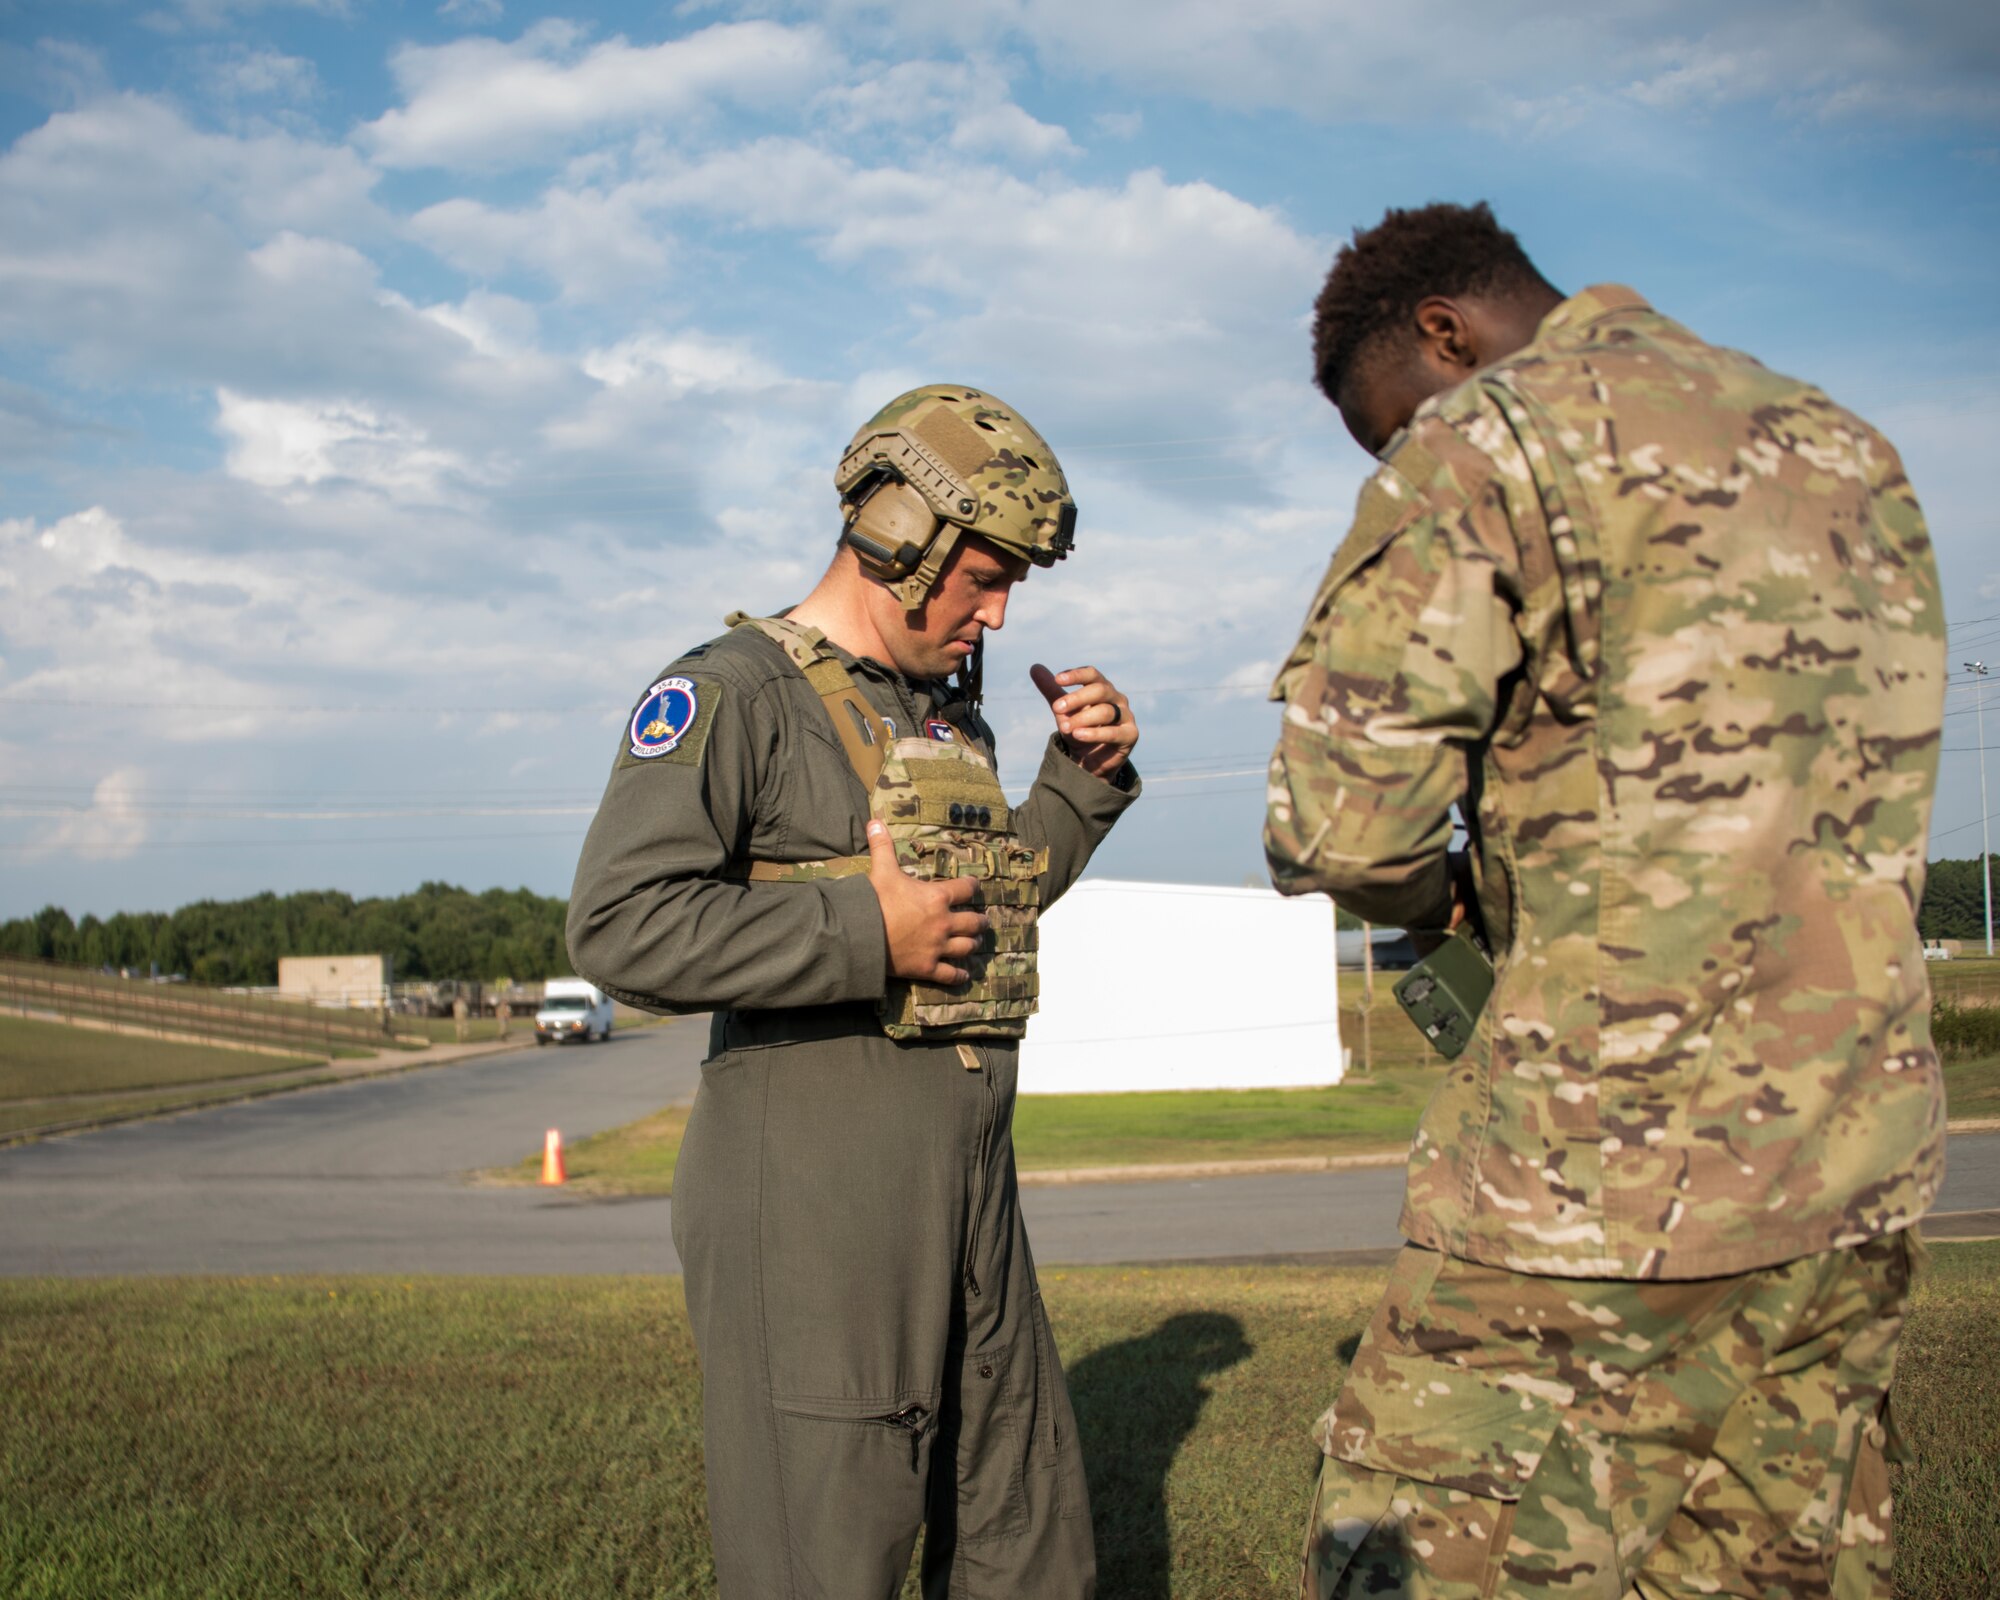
{"points": [[654, 920], [1392, 686], [1069, 811]]}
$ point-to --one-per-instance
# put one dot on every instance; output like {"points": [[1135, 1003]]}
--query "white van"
{"points": [[572, 1008]]}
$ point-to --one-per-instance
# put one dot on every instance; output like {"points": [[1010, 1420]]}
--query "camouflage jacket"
{"points": [[1666, 626]]}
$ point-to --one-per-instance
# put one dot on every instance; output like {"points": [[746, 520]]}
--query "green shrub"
{"points": [[1962, 1032]]}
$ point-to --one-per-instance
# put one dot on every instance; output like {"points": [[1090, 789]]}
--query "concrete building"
{"points": [[361, 981]]}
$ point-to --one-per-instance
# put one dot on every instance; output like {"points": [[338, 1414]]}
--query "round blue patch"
{"points": [[663, 717]]}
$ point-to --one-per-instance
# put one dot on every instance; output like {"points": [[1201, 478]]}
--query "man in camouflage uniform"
{"points": [[803, 835], [1665, 626]]}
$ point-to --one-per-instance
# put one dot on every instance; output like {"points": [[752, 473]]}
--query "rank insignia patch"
{"points": [[664, 718]]}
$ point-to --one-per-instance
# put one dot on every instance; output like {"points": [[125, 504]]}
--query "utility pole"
{"points": [[1978, 671]]}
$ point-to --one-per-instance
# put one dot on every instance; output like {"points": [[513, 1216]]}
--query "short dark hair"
{"points": [[1384, 272]]}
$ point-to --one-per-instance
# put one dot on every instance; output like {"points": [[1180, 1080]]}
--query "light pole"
{"points": [[1978, 671]]}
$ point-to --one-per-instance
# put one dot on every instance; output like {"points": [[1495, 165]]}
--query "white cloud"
{"points": [[112, 828], [590, 243], [481, 102], [1159, 296], [245, 74], [1357, 61], [221, 13], [281, 444], [1007, 130], [472, 12], [684, 363]]}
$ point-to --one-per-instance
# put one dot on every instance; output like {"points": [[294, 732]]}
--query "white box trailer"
{"points": [[572, 1008], [1183, 986]]}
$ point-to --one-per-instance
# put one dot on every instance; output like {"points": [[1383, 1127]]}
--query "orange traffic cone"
{"points": [[552, 1161]]}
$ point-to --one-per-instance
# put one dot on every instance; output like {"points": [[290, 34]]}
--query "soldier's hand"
{"points": [[1094, 719], [927, 924]]}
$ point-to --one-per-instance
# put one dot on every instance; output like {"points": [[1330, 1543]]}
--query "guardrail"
{"points": [[84, 994]]}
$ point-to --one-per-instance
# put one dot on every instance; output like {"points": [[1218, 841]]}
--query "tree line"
{"points": [[440, 931], [1954, 907], [444, 931]]}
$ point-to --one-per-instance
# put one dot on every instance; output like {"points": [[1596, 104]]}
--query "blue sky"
{"points": [[387, 390]]}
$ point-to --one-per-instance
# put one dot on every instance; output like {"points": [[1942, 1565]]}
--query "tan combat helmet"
{"points": [[945, 460]]}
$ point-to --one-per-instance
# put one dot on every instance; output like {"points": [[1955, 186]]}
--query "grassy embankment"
{"points": [[431, 1437], [40, 1062]]}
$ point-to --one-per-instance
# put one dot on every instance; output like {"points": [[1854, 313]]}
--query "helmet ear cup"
{"points": [[890, 529]]}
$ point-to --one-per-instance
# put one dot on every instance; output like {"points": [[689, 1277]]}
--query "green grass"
{"points": [[429, 1437], [1100, 1130], [638, 1158], [28, 1117], [40, 1059], [1972, 1088], [1948, 1407]]}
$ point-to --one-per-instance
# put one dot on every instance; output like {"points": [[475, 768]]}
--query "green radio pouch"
{"points": [[1444, 993]]}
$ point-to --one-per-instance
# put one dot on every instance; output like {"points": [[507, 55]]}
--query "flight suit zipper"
{"points": [[971, 1275], [911, 1420]]}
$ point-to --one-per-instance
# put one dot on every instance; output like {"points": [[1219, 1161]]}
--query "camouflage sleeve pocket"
{"points": [[1388, 505]]}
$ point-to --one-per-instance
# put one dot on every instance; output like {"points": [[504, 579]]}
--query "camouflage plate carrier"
{"points": [[948, 817]]}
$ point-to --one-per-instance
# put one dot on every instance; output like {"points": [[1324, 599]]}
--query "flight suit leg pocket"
{"points": [[1055, 1421], [985, 1442], [853, 1478]]}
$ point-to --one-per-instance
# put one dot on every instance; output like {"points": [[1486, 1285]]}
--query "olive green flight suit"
{"points": [[874, 1351]]}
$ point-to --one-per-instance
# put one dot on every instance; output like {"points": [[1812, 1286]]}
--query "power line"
{"points": [[470, 708], [1962, 827], [113, 848]]}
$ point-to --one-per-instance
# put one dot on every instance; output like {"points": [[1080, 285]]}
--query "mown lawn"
{"points": [[40, 1059], [1972, 1088], [26, 1118], [637, 1158], [1093, 1130], [429, 1437]]}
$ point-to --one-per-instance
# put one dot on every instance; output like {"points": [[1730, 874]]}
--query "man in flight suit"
{"points": [[1665, 625], [803, 835]]}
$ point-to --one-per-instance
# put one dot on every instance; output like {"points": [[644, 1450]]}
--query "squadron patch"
{"points": [[664, 718], [942, 731]]}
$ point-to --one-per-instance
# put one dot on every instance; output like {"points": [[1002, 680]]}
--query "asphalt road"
{"points": [[368, 1176]]}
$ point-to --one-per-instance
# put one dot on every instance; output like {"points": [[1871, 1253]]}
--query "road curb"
{"points": [[1168, 1172], [1172, 1172]]}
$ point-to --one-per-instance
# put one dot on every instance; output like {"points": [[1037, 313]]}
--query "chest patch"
{"points": [[944, 732]]}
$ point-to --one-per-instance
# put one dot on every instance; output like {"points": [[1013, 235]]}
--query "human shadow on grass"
{"points": [[1136, 1401]]}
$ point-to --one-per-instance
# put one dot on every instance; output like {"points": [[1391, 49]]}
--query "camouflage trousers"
{"points": [[1507, 1435]]}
